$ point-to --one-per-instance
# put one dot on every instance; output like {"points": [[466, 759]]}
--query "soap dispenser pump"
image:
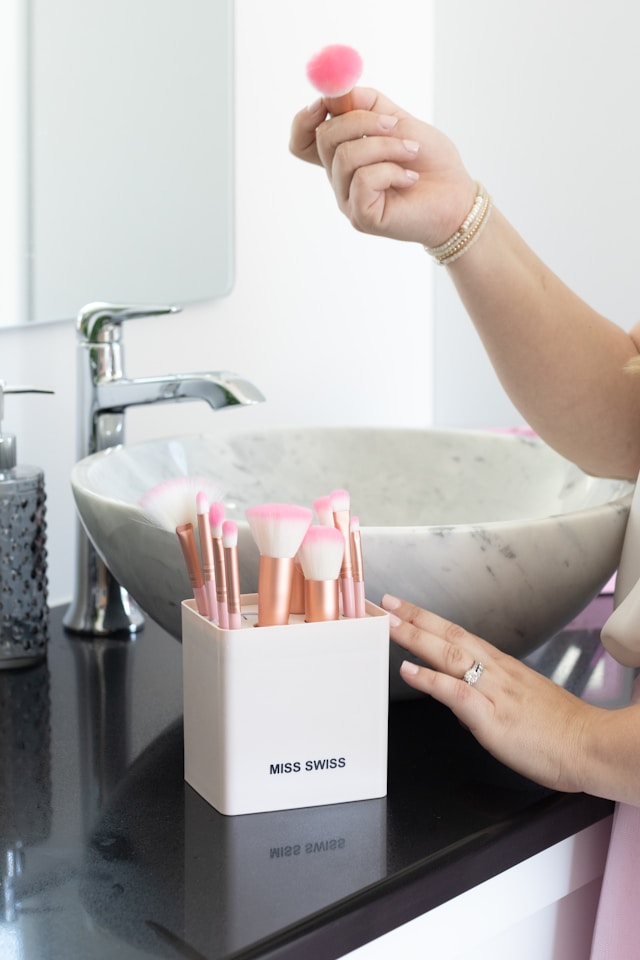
{"points": [[24, 612]]}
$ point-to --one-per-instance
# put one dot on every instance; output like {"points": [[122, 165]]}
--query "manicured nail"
{"points": [[386, 122], [412, 175], [389, 602], [411, 145], [409, 669], [394, 621]]}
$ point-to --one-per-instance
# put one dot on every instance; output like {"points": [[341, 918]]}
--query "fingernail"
{"points": [[412, 175], [386, 122], [315, 106], [394, 621], [409, 669], [389, 602], [411, 145]]}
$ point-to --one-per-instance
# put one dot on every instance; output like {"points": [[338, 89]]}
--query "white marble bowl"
{"points": [[494, 531]]}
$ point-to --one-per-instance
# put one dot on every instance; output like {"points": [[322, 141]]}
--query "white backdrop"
{"points": [[541, 99]]}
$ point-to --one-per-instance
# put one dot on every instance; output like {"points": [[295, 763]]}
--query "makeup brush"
{"points": [[340, 505], [358, 569], [216, 518], [297, 587], [321, 554], [323, 511], [187, 540], [278, 530], [206, 553], [231, 571], [173, 502], [334, 71]]}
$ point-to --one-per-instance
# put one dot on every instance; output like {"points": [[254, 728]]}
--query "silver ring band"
{"points": [[473, 673]]}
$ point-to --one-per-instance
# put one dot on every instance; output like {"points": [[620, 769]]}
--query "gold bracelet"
{"points": [[467, 233]]}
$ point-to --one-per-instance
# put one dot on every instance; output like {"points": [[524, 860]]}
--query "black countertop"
{"points": [[107, 852]]}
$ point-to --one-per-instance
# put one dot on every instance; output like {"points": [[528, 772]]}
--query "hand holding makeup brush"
{"points": [[393, 175], [334, 71]]}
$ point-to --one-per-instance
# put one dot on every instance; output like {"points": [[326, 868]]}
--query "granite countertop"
{"points": [[106, 852]]}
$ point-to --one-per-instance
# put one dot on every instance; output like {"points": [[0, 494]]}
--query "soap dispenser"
{"points": [[24, 612]]}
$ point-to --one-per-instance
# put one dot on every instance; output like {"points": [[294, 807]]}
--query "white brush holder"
{"points": [[285, 716]]}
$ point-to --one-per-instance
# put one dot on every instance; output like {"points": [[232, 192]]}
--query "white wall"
{"points": [[541, 99], [334, 327]]}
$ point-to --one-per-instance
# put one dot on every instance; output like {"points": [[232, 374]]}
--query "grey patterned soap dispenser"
{"points": [[24, 612]]}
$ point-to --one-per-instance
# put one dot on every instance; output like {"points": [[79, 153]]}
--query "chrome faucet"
{"points": [[101, 606]]}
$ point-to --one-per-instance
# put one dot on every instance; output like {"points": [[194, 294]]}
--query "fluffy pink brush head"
{"points": [[335, 70]]}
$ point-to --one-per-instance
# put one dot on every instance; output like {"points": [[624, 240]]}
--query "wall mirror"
{"points": [[129, 148]]}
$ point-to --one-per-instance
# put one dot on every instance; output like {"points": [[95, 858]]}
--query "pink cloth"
{"points": [[617, 930]]}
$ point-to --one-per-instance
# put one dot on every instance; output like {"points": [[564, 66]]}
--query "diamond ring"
{"points": [[473, 673]]}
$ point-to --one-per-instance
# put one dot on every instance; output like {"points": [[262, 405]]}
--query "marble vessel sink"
{"points": [[494, 531]]}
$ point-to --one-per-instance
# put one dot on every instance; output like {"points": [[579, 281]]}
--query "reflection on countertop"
{"points": [[108, 853]]}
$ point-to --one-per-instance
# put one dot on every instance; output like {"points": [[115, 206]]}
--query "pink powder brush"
{"points": [[232, 572], [358, 569], [216, 518], [321, 555], [334, 71], [278, 530], [340, 505], [206, 553]]}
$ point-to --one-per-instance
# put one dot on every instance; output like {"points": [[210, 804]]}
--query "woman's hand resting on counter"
{"points": [[392, 174], [525, 720]]}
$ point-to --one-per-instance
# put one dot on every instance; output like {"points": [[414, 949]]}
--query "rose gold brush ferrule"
{"points": [[342, 521], [358, 573], [187, 540], [274, 590], [297, 589], [343, 103], [232, 575], [206, 552], [322, 600]]}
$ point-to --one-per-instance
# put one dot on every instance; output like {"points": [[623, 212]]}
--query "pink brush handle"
{"points": [[348, 600], [358, 590], [212, 602], [223, 615]]}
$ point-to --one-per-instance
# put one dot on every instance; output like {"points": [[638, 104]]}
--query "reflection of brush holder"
{"points": [[265, 872], [285, 716], [25, 772]]}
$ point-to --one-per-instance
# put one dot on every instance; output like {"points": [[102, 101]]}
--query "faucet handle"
{"points": [[100, 322]]}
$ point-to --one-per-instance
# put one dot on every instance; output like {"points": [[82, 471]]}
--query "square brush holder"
{"points": [[288, 716]]}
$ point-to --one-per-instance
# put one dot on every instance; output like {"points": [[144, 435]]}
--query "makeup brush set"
{"points": [[305, 568], [285, 691]]}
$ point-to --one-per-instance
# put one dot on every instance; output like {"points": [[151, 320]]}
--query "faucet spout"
{"points": [[218, 389], [101, 607]]}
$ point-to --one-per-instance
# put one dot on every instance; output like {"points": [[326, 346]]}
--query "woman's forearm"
{"points": [[608, 754], [562, 363]]}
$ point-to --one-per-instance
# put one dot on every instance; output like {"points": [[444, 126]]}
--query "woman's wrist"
{"points": [[463, 238]]}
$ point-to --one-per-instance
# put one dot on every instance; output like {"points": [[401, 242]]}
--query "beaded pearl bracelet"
{"points": [[467, 233]]}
